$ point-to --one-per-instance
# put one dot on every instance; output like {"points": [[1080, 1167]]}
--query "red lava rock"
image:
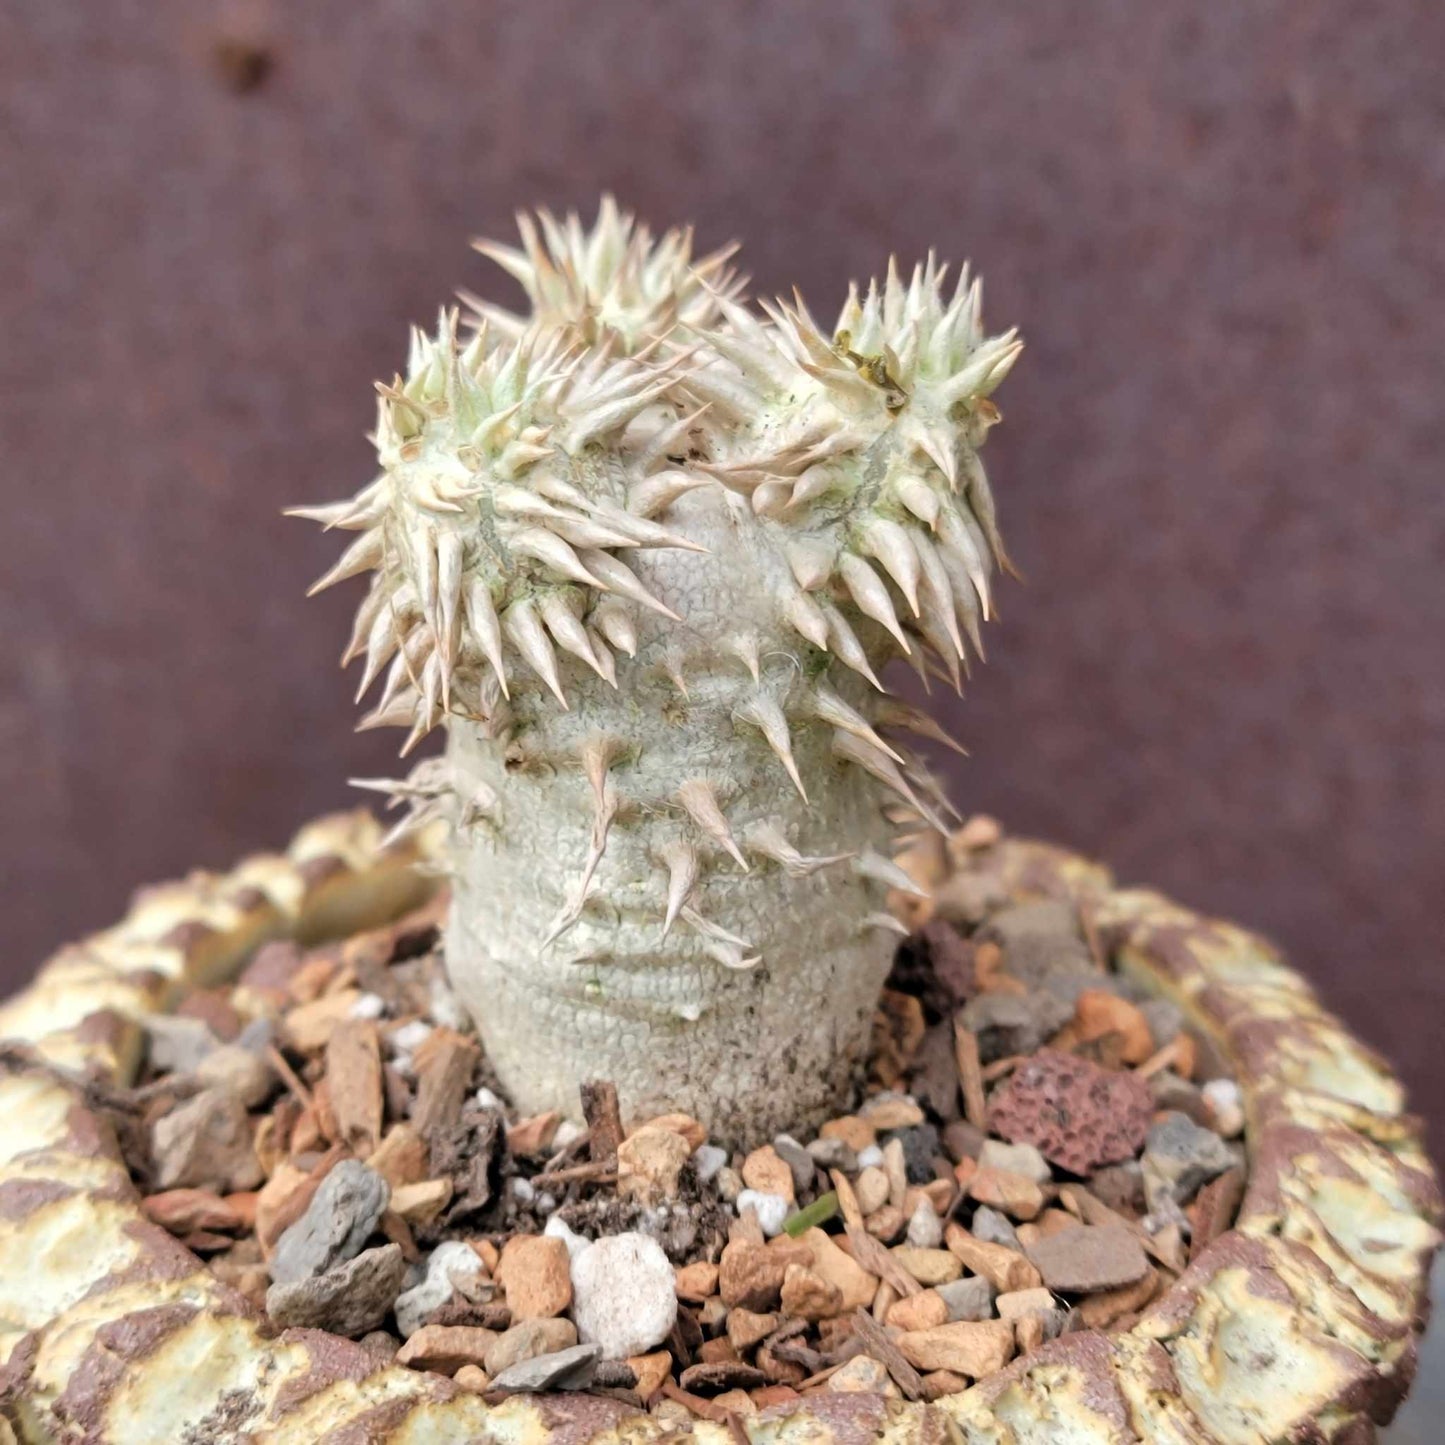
{"points": [[1076, 1114]]}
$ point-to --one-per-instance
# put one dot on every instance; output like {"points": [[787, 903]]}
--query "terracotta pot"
{"points": [[1300, 1324]]}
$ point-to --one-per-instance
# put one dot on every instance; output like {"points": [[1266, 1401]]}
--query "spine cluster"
{"points": [[646, 552]]}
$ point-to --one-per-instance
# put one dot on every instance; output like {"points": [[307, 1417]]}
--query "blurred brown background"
{"points": [[1219, 227]]}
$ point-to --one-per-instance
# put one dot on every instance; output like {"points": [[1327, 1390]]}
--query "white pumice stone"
{"points": [[623, 1295], [771, 1209]]}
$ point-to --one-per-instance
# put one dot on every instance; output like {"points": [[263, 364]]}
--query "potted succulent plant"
{"points": [[675, 1063]]}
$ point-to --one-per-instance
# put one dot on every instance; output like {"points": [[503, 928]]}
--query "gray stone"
{"points": [[920, 1147], [707, 1161], [833, 1154], [1089, 1258], [1179, 1157], [450, 1265], [968, 1299], [348, 1300], [1164, 1019], [797, 1159], [177, 1045], [1022, 1159], [1008, 1023], [337, 1223], [246, 1075], [205, 1143], [991, 1227], [566, 1370], [1175, 1095], [527, 1341], [1041, 940], [1121, 1187]]}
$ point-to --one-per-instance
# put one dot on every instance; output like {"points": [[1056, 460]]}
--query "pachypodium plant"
{"points": [[645, 554]]}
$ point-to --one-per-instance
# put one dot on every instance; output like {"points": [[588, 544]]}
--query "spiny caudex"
{"points": [[645, 554]]}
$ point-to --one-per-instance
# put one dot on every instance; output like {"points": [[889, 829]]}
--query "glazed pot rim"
{"points": [[1305, 1317]]}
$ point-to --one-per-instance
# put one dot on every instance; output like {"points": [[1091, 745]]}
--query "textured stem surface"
{"points": [[617, 994]]}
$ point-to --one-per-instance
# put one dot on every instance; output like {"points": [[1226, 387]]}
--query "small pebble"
{"points": [[968, 1299], [871, 1187], [707, 1161], [925, 1228], [410, 1037], [558, 1228], [238, 1070], [729, 1184], [870, 1158], [771, 1210], [797, 1159], [345, 1209], [569, 1131], [571, 1369], [623, 1295], [1225, 1106], [448, 1263], [991, 1227], [833, 1154], [1022, 1159], [486, 1099], [368, 1006], [1178, 1157]]}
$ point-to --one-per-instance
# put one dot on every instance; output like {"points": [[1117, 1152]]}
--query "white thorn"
{"points": [[380, 645], [745, 648], [811, 562], [919, 498], [938, 592], [606, 663], [895, 714], [846, 646], [570, 634], [657, 493], [807, 619], [362, 555], [619, 577], [890, 544], [487, 628], [615, 624], [482, 804], [871, 596], [682, 870], [523, 626], [699, 800], [855, 750], [449, 591], [767, 717], [727, 948], [548, 548], [765, 838], [827, 705], [870, 864], [886, 922]]}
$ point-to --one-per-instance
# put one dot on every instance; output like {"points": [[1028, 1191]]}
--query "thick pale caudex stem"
{"points": [[645, 553]]}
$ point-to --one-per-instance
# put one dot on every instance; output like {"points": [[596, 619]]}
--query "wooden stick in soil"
{"points": [[444, 1066], [604, 1121], [965, 1052], [290, 1077], [877, 1344]]}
